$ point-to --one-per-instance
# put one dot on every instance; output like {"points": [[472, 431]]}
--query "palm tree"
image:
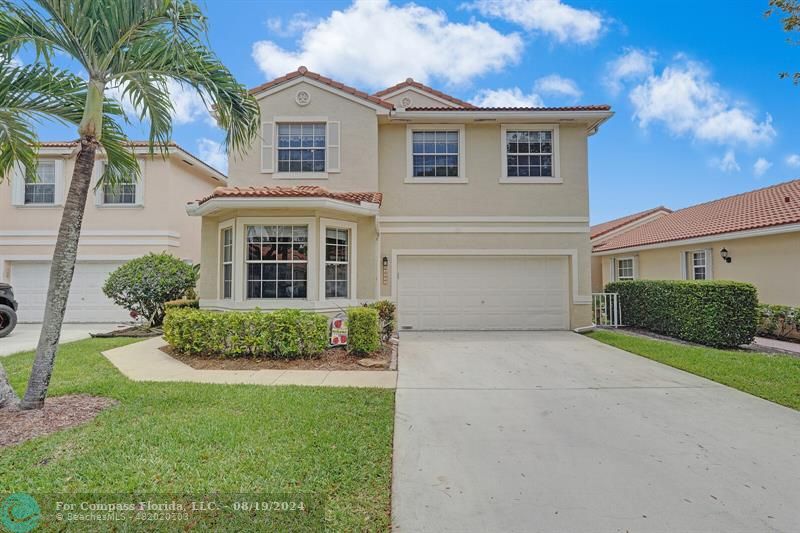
{"points": [[137, 46]]}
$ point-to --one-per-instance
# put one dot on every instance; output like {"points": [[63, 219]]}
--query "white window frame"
{"points": [[225, 226], [99, 192], [352, 280], [240, 263], [617, 277], [505, 178], [462, 154], [19, 185], [690, 266], [331, 143]]}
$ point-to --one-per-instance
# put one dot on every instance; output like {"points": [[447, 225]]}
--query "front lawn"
{"points": [[334, 444], [772, 377]]}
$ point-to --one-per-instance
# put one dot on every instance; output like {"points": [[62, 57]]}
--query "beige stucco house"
{"points": [[120, 223], [467, 217], [752, 237]]}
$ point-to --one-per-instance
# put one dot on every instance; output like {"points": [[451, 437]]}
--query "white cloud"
{"points": [[187, 105], [552, 17], [555, 84], [687, 102], [513, 97], [727, 163], [632, 65], [761, 166], [212, 153], [374, 44], [297, 23], [793, 160]]}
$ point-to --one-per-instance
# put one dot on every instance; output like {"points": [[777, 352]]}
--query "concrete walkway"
{"points": [[776, 344], [25, 337], [144, 361], [553, 431]]}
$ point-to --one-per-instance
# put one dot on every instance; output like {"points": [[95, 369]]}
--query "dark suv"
{"points": [[8, 310]]}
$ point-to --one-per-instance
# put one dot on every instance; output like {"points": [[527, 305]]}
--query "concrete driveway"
{"points": [[553, 431], [26, 336]]}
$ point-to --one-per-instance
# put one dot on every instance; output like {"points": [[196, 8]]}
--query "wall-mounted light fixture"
{"points": [[385, 270], [725, 255]]}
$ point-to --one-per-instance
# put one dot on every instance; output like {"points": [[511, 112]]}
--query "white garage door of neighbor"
{"points": [[482, 293], [86, 302]]}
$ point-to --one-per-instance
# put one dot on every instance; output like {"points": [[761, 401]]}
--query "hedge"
{"points": [[364, 334], [386, 316], [286, 333], [714, 313], [779, 321]]}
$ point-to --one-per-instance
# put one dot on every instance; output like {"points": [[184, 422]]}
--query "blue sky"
{"points": [[700, 111]]}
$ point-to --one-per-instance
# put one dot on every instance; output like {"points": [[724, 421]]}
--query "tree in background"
{"points": [[134, 45], [790, 18]]}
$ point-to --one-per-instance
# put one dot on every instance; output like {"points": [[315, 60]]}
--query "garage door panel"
{"points": [[482, 293], [86, 302]]}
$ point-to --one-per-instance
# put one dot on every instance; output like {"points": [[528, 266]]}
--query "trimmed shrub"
{"points": [[386, 316], [778, 320], [286, 333], [144, 285], [714, 313], [183, 302], [364, 334]]}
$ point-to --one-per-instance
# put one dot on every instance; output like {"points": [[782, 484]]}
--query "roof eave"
{"points": [[217, 204]]}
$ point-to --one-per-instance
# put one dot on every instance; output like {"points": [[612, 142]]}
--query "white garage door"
{"points": [[482, 293], [86, 303]]}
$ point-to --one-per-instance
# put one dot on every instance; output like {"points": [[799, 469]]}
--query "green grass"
{"points": [[184, 438], [772, 377]]}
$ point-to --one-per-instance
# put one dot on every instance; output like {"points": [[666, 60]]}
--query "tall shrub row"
{"points": [[714, 313]]}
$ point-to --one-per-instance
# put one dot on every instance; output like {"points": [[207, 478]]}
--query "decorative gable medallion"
{"points": [[405, 102], [303, 98]]}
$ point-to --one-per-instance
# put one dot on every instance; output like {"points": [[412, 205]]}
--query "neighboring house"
{"points": [[120, 223], [469, 218], [605, 230], [752, 237]]}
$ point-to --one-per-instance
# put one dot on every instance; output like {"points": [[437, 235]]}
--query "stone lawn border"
{"points": [[144, 361]]}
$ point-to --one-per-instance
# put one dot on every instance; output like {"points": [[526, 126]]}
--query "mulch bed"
{"points": [[133, 331], [330, 359], [60, 412]]}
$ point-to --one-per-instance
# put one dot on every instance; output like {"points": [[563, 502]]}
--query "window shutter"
{"points": [[709, 264], [635, 267], [17, 185], [684, 273], [267, 148], [61, 182], [140, 183], [613, 269], [97, 172], [333, 149]]}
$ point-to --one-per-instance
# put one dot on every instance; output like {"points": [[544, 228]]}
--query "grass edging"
{"points": [[772, 377]]}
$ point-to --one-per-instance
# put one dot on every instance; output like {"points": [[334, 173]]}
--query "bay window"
{"points": [[276, 261], [337, 262], [226, 254]]}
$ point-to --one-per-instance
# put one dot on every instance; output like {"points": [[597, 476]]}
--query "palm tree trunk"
{"points": [[8, 397], [61, 270]]}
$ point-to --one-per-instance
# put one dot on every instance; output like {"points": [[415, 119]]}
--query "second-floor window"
{"points": [[43, 190], [529, 153], [435, 154], [121, 193], [301, 147]]}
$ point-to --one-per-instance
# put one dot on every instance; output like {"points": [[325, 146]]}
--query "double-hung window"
{"points": [[42, 191], [226, 254], [530, 154], [625, 269], [123, 192], [276, 260], [301, 147], [697, 265], [436, 154], [337, 263]]}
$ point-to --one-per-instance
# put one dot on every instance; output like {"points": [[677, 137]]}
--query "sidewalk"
{"points": [[144, 361], [775, 344]]}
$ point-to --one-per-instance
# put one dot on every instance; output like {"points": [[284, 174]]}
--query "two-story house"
{"points": [[121, 222], [469, 218]]}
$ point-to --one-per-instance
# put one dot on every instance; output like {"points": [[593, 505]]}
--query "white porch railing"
{"points": [[605, 309]]}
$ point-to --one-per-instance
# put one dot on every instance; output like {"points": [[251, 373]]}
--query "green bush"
{"points": [[286, 333], [778, 320], [182, 302], [386, 316], [144, 285], [364, 334], [714, 313]]}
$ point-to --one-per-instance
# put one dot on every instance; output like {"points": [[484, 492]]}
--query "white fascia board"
{"points": [[744, 234], [216, 204], [593, 117]]}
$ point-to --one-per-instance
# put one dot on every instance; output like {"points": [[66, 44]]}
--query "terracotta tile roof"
{"points": [[70, 144], [303, 71], [607, 227], [602, 107], [300, 191], [762, 208], [409, 82]]}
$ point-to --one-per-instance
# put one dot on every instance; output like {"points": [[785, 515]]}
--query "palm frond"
{"points": [[121, 160]]}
